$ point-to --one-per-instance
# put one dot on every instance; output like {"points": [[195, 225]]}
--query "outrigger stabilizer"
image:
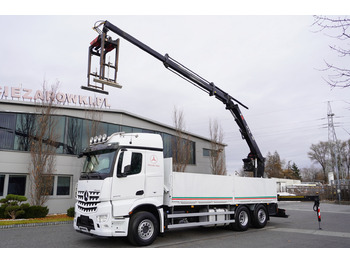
{"points": [[314, 198]]}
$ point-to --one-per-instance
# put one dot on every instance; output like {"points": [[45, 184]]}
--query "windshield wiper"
{"points": [[94, 174], [84, 175]]}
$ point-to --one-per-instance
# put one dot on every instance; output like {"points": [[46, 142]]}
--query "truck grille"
{"points": [[88, 200]]}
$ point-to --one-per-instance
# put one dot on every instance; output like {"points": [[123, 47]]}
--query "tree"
{"points": [[320, 154], [291, 171], [25, 125], [217, 155], [343, 148], [273, 165], [296, 171], [43, 145], [311, 174], [181, 146], [339, 29], [13, 206], [346, 158], [95, 127]]}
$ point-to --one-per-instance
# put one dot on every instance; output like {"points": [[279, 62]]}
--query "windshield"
{"points": [[99, 165]]}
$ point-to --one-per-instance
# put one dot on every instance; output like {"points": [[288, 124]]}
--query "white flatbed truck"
{"points": [[128, 189]]}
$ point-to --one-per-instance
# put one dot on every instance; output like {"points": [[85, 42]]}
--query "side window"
{"points": [[129, 163], [136, 163], [120, 163]]}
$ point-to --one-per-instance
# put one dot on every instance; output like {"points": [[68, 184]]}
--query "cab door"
{"points": [[128, 183]]}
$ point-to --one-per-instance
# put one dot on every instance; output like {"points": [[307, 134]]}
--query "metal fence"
{"points": [[326, 192]]}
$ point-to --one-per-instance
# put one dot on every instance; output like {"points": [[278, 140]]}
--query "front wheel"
{"points": [[143, 229]]}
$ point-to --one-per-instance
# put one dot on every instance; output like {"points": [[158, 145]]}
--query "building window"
{"points": [[2, 184], [63, 186], [137, 130], [58, 186], [86, 133], [47, 188], [17, 185], [149, 131], [25, 130], [126, 129], [210, 152], [7, 126], [102, 128], [167, 145], [74, 136], [112, 128], [91, 129], [192, 153], [58, 123]]}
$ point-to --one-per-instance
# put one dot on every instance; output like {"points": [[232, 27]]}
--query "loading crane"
{"points": [[103, 44]]}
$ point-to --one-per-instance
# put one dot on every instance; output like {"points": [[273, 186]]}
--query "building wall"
{"points": [[17, 164], [14, 165]]}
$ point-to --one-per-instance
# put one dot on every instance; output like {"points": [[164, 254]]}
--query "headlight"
{"points": [[101, 218]]}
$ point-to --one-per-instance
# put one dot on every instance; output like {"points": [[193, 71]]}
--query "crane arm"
{"points": [[255, 160]]}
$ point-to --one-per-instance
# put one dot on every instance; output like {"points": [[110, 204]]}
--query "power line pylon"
{"points": [[332, 140]]}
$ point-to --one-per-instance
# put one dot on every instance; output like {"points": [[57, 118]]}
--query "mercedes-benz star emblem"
{"points": [[86, 195]]}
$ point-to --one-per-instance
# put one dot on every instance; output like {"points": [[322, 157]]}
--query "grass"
{"points": [[50, 218]]}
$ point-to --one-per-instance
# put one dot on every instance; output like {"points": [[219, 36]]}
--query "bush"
{"points": [[12, 205], [35, 212], [70, 212], [12, 208], [3, 214]]}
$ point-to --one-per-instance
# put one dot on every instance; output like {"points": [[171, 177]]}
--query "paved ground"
{"points": [[299, 230]]}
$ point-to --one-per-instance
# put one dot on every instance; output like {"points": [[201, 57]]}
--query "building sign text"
{"points": [[45, 96]]}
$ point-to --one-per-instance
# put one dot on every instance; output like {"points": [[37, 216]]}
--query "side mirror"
{"points": [[124, 164], [126, 171]]}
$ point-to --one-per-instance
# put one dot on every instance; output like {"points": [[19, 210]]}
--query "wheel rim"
{"points": [[145, 229], [261, 216], [243, 218]]}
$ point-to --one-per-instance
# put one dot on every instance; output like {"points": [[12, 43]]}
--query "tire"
{"points": [[242, 219], [260, 216], [143, 229]]}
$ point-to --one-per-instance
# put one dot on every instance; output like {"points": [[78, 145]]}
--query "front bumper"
{"points": [[91, 223]]}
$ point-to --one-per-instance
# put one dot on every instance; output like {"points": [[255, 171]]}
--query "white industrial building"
{"points": [[72, 122]]}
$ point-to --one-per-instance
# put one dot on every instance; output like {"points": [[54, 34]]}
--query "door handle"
{"points": [[139, 193]]}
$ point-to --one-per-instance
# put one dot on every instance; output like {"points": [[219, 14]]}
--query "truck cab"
{"points": [[121, 173]]}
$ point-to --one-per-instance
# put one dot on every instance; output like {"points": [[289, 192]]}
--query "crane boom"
{"points": [[255, 161]]}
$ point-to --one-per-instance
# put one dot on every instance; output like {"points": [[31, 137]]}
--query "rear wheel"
{"points": [[242, 219], [143, 229], [260, 216]]}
